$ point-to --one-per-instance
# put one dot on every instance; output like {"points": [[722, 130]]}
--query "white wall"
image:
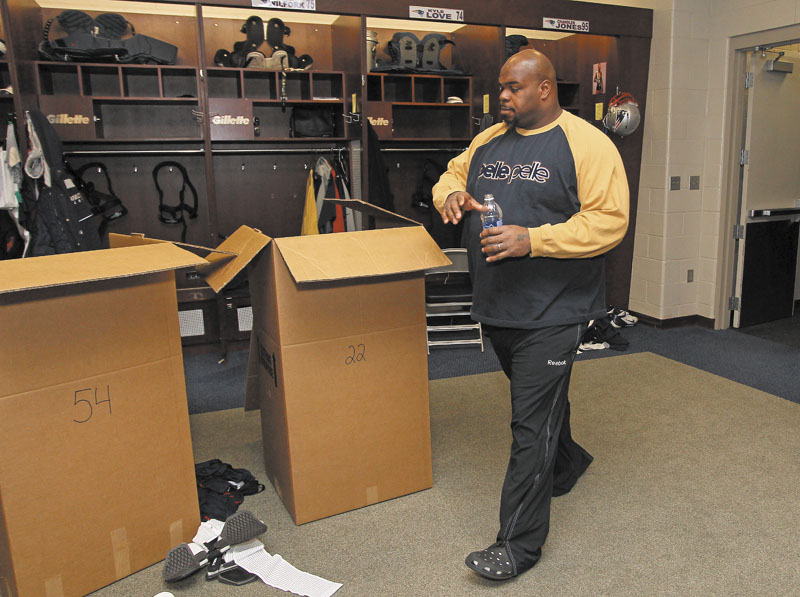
{"points": [[685, 136]]}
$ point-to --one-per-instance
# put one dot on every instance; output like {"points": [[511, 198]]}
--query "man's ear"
{"points": [[545, 88]]}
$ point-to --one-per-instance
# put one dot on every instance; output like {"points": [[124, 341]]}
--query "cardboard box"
{"points": [[338, 361], [97, 473]]}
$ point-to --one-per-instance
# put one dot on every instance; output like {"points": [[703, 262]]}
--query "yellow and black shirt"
{"points": [[566, 183]]}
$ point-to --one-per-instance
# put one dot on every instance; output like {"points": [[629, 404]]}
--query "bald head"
{"points": [[528, 97], [534, 62]]}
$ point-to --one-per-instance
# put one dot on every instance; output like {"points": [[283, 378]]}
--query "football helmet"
{"points": [[623, 115]]}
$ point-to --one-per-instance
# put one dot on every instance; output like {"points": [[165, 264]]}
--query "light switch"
{"points": [[674, 183]]}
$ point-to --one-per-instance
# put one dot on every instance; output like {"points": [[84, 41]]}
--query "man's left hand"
{"points": [[499, 242]]}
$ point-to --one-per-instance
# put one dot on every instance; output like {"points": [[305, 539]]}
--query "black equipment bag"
{"points": [[81, 43], [317, 121], [106, 205]]}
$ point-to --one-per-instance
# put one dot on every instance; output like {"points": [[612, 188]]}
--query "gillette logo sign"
{"points": [[229, 119], [380, 121], [534, 172], [67, 119]]}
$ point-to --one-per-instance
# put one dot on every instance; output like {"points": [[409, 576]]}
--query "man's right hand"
{"points": [[456, 203]]}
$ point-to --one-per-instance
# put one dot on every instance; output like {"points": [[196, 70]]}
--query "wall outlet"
{"points": [[690, 276], [694, 183], [674, 183]]}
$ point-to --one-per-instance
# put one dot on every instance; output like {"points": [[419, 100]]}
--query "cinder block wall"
{"points": [[685, 136]]}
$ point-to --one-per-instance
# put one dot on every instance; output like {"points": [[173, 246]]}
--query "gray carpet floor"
{"points": [[693, 491]]}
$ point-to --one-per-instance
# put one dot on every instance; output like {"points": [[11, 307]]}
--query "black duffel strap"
{"points": [[101, 168], [173, 214]]}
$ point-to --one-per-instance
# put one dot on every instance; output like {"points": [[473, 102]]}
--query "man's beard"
{"points": [[511, 121]]}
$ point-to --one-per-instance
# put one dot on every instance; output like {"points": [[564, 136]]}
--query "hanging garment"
{"points": [[323, 170], [352, 218], [338, 221], [14, 159], [379, 191], [325, 213], [18, 212], [340, 172], [64, 220], [8, 196], [310, 225], [11, 233], [343, 168]]}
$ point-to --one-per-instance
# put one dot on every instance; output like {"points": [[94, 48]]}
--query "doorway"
{"points": [[769, 191], [761, 219]]}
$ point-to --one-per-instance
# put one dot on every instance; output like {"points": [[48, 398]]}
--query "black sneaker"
{"points": [[621, 318]]}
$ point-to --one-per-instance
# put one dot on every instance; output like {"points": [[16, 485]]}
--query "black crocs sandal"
{"points": [[493, 563], [181, 561]]}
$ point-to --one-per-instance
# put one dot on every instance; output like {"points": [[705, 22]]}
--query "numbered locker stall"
{"points": [[97, 474], [343, 393]]}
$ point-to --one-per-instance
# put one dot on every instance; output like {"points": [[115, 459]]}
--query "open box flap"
{"points": [[383, 216], [361, 254], [244, 244], [222, 264], [87, 266], [137, 239]]}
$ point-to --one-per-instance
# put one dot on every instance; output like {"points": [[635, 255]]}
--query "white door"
{"points": [[770, 177]]}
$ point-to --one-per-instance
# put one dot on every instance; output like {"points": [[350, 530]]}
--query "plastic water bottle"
{"points": [[492, 216]]}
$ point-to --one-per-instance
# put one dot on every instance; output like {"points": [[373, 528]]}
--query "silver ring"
{"points": [[499, 248]]}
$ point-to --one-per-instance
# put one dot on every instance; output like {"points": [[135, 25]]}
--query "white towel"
{"points": [[277, 572]]}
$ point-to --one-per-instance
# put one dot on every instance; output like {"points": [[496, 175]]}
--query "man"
{"points": [[537, 282]]}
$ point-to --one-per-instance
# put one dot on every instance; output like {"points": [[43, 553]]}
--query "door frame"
{"points": [[735, 112]]}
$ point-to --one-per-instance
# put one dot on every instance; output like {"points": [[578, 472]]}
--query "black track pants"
{"points": [[539, 364]]}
